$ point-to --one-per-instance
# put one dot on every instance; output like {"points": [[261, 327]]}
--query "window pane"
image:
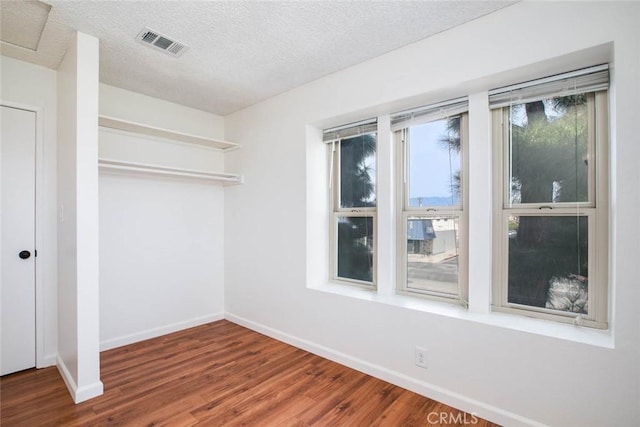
{"points": [[355, 248], [432, 254], [358, 171], [548, 151], [548, 262], [434, 163]]}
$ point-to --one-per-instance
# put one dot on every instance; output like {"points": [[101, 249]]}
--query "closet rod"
{"points": [[166, 170]]}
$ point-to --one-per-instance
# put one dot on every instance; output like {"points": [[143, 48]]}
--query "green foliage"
{"points": [[355, 248], [548, 151], [357, 189], [549, 165], [356, 186], [556, 246], [451, 141]]}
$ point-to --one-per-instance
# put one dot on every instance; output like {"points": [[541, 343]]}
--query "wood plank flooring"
{"points": [[220, 374]]}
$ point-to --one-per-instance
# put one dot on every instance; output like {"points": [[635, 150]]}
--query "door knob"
{"points": [[24, 254]]}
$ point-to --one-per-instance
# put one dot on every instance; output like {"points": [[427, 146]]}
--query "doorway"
{"points": [[18, 241]]}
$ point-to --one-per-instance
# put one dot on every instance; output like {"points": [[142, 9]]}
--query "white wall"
{"points": [[175, 226], [169, 275], [35, 87], [78, 350], [504, 368], [161, 238], [124, 104]]}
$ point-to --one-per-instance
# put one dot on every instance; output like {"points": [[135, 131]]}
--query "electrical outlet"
{"points": [[421, 357]]}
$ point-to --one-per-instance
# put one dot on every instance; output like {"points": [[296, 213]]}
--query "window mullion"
{"points": [[355, 212], [591, 150], [506, 160]]}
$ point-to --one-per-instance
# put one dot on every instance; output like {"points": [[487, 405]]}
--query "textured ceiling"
{"points": [[241, 52], [21, 23]]}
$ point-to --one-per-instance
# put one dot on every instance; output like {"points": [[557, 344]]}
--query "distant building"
{"points": [[420, 236], [432, 236]]}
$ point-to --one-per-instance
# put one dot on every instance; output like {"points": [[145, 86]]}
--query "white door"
{"points": [[17, 218]]}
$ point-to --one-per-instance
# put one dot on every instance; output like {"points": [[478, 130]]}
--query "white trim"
{"points": [[432, 391], [66, 376], [78, 394], [48, 360], [385, 210], [159, 331], [41, 361], [39, 233], [89, 392], [604, 235]]}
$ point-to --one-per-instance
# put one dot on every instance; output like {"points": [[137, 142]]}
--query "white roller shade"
{"points": [[428, 113], [580, 81]]}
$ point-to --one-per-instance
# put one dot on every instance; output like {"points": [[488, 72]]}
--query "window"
{"points": [[549, 223], [432, 144], [551, 198], [352, 165]]}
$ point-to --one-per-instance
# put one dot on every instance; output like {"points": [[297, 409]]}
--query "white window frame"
{"points": [[333, 138], [405, 211], [596, 209]]}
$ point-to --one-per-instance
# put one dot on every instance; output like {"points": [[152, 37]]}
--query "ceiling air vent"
{"points": [[161, 42]]}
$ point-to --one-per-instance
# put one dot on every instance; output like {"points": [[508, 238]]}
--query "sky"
{"points": [[431, 164]]}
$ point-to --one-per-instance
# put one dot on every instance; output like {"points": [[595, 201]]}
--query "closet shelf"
{"points": [[125, 125], [229, 178]]}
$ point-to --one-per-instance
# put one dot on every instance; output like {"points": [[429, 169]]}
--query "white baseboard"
{"points": [[448, 397], [78, 394], [66, 376], [48, 360], [156, 332], [89, 392]]}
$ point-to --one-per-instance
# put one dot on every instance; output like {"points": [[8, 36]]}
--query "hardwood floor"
{"points": [[220, 374]]}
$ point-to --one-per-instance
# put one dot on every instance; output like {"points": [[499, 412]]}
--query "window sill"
{"points": [[547, 328]]}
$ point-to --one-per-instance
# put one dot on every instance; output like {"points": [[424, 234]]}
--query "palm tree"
{"points": [[357, 190], [547, 149], [451, 141]]}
